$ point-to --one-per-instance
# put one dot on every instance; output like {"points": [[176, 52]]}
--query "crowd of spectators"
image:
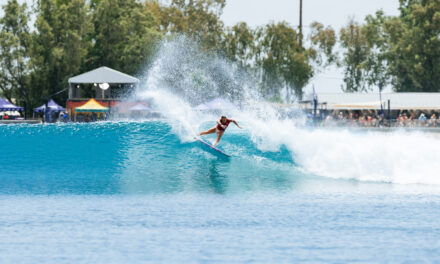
{"points": [[376, 119]]}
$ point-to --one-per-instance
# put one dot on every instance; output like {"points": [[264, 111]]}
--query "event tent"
{"points": [[91, 106], [52, 107], [104, 78], [139, 107], [7, 106], [103, 75]]}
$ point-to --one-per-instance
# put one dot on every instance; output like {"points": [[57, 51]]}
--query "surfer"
{"points": [[220, 128]]}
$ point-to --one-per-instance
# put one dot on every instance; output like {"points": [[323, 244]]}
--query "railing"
{"points": [[395, 123]]}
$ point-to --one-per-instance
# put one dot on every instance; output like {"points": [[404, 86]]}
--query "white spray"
{"points": [[182, 77]]}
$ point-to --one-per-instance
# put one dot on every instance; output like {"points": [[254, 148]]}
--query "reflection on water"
{"points": [[219, 180]]}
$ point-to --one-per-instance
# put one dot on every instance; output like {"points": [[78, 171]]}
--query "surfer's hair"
{"points": [[223, 116]]}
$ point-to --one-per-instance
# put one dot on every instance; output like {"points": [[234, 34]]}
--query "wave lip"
{"points": [[396, 157]]}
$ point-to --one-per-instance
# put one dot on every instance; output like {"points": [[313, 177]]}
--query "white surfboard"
{"points": [[212, 149]]}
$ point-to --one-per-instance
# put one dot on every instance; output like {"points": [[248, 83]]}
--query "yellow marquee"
{"points": [[91, 106]]}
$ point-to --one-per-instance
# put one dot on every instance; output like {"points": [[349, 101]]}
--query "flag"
{"points": [[315, 102]]}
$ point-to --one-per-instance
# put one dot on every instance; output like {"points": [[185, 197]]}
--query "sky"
{"points": [[335, 13]]}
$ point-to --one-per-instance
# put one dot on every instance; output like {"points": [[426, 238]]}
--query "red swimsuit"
{"points": [[221, 129]]}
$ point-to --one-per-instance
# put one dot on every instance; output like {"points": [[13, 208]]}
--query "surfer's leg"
{"points": [[219, 136], [207, 132]]}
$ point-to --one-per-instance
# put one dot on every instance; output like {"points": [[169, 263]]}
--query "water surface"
{"points": [[125, 192]]}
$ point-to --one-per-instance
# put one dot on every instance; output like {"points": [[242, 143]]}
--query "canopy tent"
{"points": [[103, 75], [106, 82], [51, 106], [216, 104], [7, 106], [139, 107], [91, 106]]}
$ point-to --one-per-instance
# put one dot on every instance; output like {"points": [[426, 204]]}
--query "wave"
{"points": [[149, 157], [131, 157], [394, 157], [171, 83], [273, 151]]}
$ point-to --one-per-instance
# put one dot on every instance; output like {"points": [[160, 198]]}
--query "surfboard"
{"points": [[211, 149]]}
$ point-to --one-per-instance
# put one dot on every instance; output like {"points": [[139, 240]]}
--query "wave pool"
{"points": [[140, 192]]}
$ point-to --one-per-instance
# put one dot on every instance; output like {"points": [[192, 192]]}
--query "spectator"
{"points": [[406, 121], [432, 121], [400, 121], [380, 121], [369, 120], [66, 117], [411, 119], [329, 120], [363, 121], [422, 119]]}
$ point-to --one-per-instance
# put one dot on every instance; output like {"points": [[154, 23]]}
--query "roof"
{"points": [[53, 107], [139, 107], [91, 106], [103, 75], [372, 100], [7, 106]]}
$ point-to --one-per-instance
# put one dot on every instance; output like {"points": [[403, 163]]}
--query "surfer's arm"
{"points": [[235, 122], [220, 124]]}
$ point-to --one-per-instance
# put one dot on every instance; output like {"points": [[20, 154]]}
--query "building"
{"points": [[106, 85], [392, 102]]}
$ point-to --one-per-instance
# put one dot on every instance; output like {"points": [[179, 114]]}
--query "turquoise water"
{"points": [[126, 192]]}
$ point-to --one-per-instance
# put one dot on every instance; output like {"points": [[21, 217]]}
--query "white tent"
{"points": [[139, 107], [101, 77]]}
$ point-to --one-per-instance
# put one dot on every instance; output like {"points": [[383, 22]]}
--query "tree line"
{"points": [[44, 44]]}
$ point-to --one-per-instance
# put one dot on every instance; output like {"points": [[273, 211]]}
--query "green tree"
{"points": [[198, 19], [284, 63], [414, 46], [355, 53], [239, 44], [376, 65], [14, 54], [323, 41], [403, 50], [59, 44], [125, 36]]}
